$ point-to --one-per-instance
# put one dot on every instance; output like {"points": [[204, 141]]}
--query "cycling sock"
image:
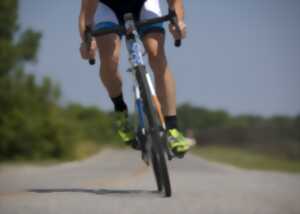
{"points": [[171, 122], [119, 103]]}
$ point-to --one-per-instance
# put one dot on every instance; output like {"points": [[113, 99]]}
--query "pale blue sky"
{"points": [[240, 56]]}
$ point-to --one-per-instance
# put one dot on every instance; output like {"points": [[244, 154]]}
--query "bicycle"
{"points": [[151, 129]]}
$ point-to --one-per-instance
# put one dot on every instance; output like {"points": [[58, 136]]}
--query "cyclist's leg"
{"points": [[109, 50], [164, 81], [153, 38], [165, 87], [109, 53]]}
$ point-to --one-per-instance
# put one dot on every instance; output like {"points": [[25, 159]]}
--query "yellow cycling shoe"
{"points": [[178, 143], [124, 129]]}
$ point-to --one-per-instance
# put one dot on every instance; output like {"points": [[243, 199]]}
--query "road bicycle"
{"points": [[151, 132]]}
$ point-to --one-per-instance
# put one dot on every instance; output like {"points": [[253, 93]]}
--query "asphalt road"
{"points": [[118, 182]]}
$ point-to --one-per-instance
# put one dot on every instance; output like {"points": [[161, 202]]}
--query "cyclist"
{"points": [[108, 13]]}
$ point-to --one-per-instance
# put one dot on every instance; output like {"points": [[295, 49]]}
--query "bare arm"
{"points": [[90, 8], [87, 11], [82, 20], [177, 5]]}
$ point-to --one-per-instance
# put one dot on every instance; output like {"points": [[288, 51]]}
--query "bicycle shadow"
{"points": [[117, 192]]}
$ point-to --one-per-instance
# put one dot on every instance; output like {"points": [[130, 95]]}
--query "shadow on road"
{"points": [[96, 191]]}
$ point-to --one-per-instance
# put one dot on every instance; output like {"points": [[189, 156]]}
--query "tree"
{"points": [[32, 123], [14, 52]]}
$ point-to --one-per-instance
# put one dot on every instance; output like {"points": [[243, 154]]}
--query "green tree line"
{"points": [[276, 135], [32, 123]]}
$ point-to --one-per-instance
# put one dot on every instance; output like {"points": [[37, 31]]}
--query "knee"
{"points": [[158, 63], [157, 59], [156, 55], [109, 52], [109, 63]]}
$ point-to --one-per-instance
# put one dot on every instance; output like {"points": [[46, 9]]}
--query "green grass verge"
{"points": [[247, 159], [80, 151], [86, 149]]}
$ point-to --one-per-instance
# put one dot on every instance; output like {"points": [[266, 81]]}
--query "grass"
{"points": [[86, 149], [80, 151], [247, 159], [89, 148]]}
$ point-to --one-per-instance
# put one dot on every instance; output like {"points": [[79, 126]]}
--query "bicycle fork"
{"points": [[142, 134]]}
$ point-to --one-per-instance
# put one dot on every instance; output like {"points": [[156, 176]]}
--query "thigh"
{"points": [[154, 44], [109, 47]]}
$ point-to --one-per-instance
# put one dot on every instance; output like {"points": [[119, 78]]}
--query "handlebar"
{"points": [[174, 21], [120, 29]]}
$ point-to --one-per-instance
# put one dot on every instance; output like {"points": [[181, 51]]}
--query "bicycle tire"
{"points": [[163, 168], [156, 171], [160, 169]]}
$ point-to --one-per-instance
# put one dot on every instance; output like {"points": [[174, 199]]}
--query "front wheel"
{"points": [[157, 140], [156, 170], [159, 155]]}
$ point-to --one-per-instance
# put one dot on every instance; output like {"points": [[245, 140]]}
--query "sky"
{"points": [[239, 56]]}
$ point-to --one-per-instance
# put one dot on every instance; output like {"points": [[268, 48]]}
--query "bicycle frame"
{"points": [[136, 59], [134, 49]]}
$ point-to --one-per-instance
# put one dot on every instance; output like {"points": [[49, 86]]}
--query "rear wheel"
{"points": [[158, 140]]}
